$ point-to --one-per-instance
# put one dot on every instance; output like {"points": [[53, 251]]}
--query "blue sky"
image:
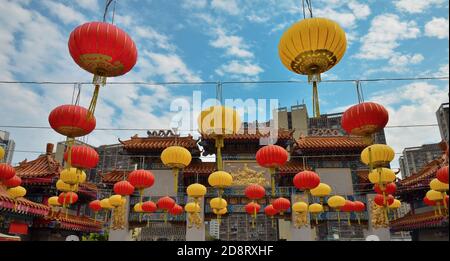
{"points": [[221, 40]]}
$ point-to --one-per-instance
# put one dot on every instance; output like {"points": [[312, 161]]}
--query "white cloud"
{"points": [[240, 68], [384, 35], [228, 6], [65, 13], [399, 63], [197, 4], [88, 4], [170, 67], [416, 6], [154, 37], [437, 27], [234, 45], [361, 11], [443, 71], [345, 15]]}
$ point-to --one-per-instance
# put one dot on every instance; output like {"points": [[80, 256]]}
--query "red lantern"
{"points": [[141, 179], [149, 207], [176, 210], [359, 206], [123, 188], [272, 156], [102, 49], [67, 198], [270, 211], [255, 191], [12, 182], [364, 119], [442, 174], [281, 204], [6, 171], [429, 202], [380, 200], [390, 188], [252, 208], [83, 157], [71, 121], [348, 207], [95, 205], [306, 180], [166, 203]]}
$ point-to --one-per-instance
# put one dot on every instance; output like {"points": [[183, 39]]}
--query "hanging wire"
{"points": [[309, 5], [114, 11], [108, 3], [303, 5]]}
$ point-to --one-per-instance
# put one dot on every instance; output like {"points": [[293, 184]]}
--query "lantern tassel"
{"points": [[339, 217], [348, 219], [70, 142], [359, 219], [175, 180], [317, 221], [272, 176], [439, 208], [219, 146], [97, 81], [165, 216]]}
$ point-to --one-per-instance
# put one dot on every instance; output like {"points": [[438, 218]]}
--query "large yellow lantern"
{"points": [[192, 207], [395, 205], [196, 191], [311, 47], [116, 201], [377, 155], [64, 187], [53, 201], [300, 207], [177, 158], [437, 197], [105, 204], [17, 192], [2, 153], [321, 191], [193, 210], [72, 176], [336, 202], [218, 204], [138, 208], [435, 184], [382, 176], [220, 180], [219, 121], [315, 209]]}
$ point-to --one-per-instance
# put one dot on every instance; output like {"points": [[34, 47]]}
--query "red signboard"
{"points": [[18, 228]]}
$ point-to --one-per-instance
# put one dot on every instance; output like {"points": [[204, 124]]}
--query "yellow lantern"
{"points": [[2, 153], [218, 203], [311, 47], [116, 201], [83, 177], [382, 176], [321, 191], [300, 207], [177, 158], [17, 192], [434, 195], [192, 207], [61, 186], [377, 155], [220, 212], [138, 208], [53, 202], [337, 202], [105, 204], [315, 209], [196, 191], [396, 204], [219, 121], [71, 176], [435, 184], [220, 180]]}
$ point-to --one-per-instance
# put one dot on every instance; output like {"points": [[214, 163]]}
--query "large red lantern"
{"points": [[270, 211], [306, 180], [82, 157], [272, 157], [123, 188], [6, 171], [149, 207], [166, 204], [358, 207], [12, 182], [255, 191], [390, 188], [281, 205], [102, 49], [141, 179], [442, 174], [348, 207], [71, 121], [382, 201], [67, 198], [252, 208], [95, 205], [176, 210], [429, 202], [364, 119]]}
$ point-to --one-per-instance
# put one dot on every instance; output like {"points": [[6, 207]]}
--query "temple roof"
{"points": [[416, 221], [254, 135], [114, 176], [21, 205], [159, 141], [71, 222], [329, 144]]}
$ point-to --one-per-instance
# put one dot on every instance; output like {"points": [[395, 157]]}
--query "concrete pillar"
{"points": [[195, 234], [383, 234], [122, 234], [305, 233]]}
